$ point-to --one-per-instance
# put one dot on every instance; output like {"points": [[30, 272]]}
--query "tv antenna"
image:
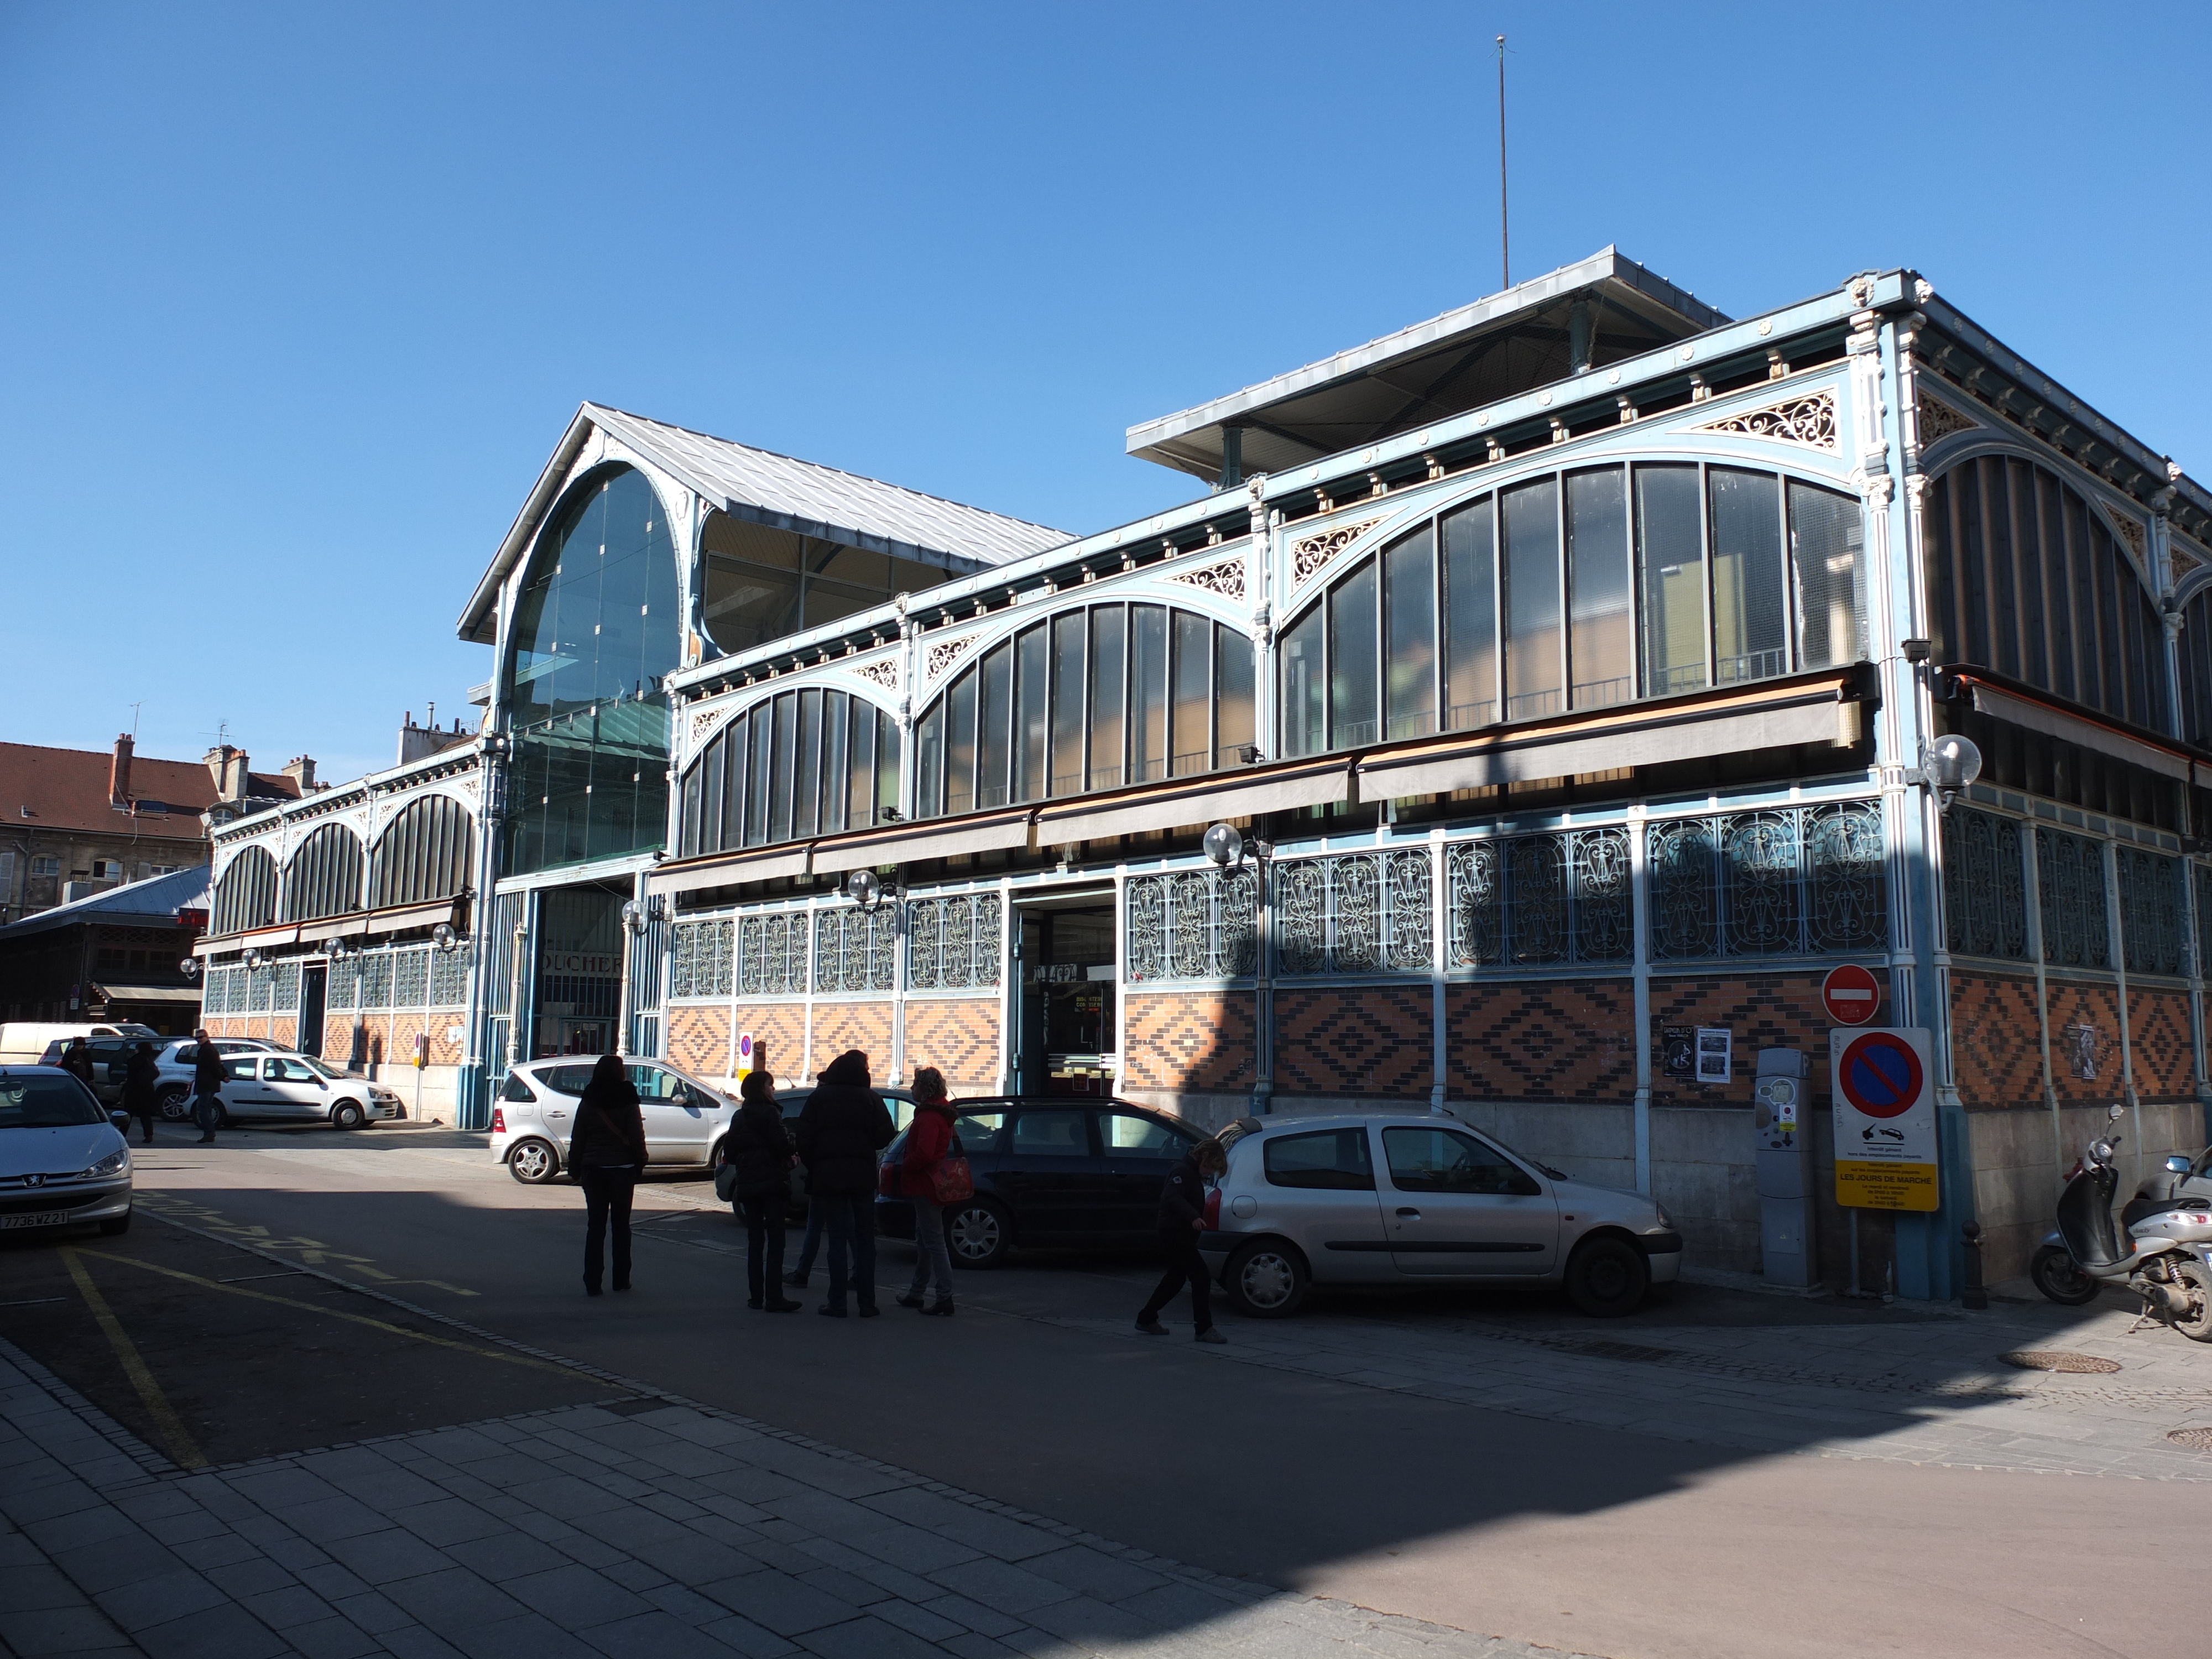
{"points": [[1504, 235]]}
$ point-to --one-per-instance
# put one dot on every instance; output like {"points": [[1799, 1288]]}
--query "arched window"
{"points": [[794, 766], [245, 892], [1578, 590], [425, 853], [324, 878], [1091, 698], [595, 628], [2026, 578]]}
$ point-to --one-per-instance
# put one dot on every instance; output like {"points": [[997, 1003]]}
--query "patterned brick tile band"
{"points": [[1541, 1041], [1197, 1040], [960, 1037]]}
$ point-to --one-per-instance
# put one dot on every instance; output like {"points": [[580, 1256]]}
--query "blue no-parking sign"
{"points": [[1885, 1111]]}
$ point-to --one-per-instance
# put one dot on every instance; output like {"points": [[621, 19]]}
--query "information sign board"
{"points": [[1885, 1108]]}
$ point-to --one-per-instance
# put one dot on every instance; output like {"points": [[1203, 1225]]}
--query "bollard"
{"points": [[1973, 1296]]}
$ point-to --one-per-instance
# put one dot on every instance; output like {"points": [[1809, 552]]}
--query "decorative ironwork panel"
{"points": [[411, 979], [2150, 910], [953, 942], [852, 950], [1985, 913], [1410, 943], [376, 980], [924, 968], [1190, 945], [1760, 870], [1301, 917], [1476, 899], [683, 942], [751, 931], [959, 934], [1685, 898], [1537, 898], [1355, 933], [988, 914], [342, 989], [881, 954], [449, 976], [1605, 917], [2203, 874], [1148, 941], [2070, 877], [1848, 902], [258, 981]]}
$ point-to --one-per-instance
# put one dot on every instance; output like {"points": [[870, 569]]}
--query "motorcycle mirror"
{"points": [[2113, 1116]]}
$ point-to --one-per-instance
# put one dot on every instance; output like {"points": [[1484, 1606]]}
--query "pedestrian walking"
{"points": [[140, 1079], [1182, 1218], [929, 1141], [608, 1155], [77, 1060], [759, 1149], [208, 1077], [844, 1125]]}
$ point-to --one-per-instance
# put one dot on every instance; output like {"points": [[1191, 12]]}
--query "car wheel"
{"points": [[532, 1163], [977, 1234], [1606, 1277], [348, 1114], [1266, 1280], [115, 1226], [2056, 1277], [173, 1104]]}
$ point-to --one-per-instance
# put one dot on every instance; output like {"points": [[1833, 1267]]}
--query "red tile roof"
{"points": [[66, 790]]}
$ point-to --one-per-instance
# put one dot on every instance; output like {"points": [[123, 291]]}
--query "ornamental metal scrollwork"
{"points": [[946, 652], [704, 720], [1475, 896], [1226, 579], [884, 673], [2203, 876], [1605, 924], [1810, 421], [2150, 910], [1984, 885], [1236, 939], [1684, 907], [1355, 934], [1309, 553], [1147, 946], [1301, 907], [2070, 875], [1360, 912], [1408, 948], [952, 942], [923, 958], [1760, 866], [2131, 529], [1190, 953], [1849, 905], [1537, 898], [1939, 421]]}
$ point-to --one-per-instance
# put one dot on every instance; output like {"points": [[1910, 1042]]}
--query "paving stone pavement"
{"points": [[642, 1526]]}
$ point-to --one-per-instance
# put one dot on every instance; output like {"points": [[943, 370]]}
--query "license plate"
{"points": [[36, 1219]]}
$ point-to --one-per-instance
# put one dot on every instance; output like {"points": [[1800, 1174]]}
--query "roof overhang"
{"points": [[1504, 343]]}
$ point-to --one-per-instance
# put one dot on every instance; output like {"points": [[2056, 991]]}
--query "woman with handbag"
{"points": [[755, 1178], [930, 1176], [608, 1155]]}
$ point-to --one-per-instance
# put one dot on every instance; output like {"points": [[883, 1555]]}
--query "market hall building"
{"points": [[1566, 663]]}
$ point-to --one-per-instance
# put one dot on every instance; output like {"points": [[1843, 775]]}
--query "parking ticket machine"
{"points": [[1782, 1147]]}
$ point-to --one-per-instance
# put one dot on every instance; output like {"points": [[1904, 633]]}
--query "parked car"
{"points": [[534, 1119], [792, 1101], [1052, 1171], [177, 1061], [27, 1042], [276, 1087], [64, 1162], [1421, 1198]]}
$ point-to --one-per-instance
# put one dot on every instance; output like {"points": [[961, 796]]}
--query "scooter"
{"points": [[2167, 1258]]}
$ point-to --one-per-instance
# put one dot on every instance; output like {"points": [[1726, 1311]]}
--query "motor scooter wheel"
{"points": [[2198, 1279], [2058, 1278]]}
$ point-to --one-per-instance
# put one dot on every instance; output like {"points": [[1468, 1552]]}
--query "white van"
{"points": [[22, 1044]]}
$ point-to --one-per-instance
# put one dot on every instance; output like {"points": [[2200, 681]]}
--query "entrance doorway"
{"points": [[1065, 1018], [314, 987], [579, 978]]}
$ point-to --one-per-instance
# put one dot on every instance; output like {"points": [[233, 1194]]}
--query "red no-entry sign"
{"points": [[1880, 1075], [1851, 994]]}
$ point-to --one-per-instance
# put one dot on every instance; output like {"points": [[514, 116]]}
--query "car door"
{"points": [[1054, 1176], [1139, 1151], [676, 1123], [1320, 1192], [242, 1093], [289, 1088], [559, 1086], [1458, 1207]]}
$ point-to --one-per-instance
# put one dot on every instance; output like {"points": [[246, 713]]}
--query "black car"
{"points": [[1051, 1172]]}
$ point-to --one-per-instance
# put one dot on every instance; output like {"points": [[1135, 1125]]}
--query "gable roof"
{"points": [[157, 898], [66, 792], [766, 488]]}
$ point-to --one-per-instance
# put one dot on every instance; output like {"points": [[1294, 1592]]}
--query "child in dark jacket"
{"points": [[759, 1147]]}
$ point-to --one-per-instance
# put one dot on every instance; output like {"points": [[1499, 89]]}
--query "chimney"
{"points": [[300, 768], [229, 765], [119, 772]]}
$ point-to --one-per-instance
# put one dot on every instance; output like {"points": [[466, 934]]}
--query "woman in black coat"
{"points": [[759, 1149], [607, 1156], [140, 1080], [844, 1125]]}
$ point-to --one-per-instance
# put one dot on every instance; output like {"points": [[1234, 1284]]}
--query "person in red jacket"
{"points": [[928, 1141]]}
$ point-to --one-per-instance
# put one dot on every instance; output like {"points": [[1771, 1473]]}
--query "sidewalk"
{"points": [[642, 1526]]}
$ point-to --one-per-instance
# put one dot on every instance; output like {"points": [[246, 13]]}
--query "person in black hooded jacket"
{"points": [[760, 1149], [845, 1124], [608, 1155]]}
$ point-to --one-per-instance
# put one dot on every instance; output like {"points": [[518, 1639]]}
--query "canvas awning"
{"points": [[2035, 715], [1183, 801]]}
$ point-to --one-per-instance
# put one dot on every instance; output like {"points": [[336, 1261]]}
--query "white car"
{"points": [[288, 1088], [1421, 1200], [534, 1119], [177, 1061], [62, 1160]]}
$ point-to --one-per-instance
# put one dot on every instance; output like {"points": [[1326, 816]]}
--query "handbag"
{"points": [[725, 1181], [952, 1181]]}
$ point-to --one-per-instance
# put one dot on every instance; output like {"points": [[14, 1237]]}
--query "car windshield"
{"points": [[323, 1068], [46, 1103], [1556, 1175]]}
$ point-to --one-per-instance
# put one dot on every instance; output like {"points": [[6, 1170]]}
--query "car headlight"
{"points": [[1665, 1220], [113, 1163]]}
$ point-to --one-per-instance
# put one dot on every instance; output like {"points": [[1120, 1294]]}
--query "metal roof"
{"points": [[1493, 349], [156, 898], [766, 488]]}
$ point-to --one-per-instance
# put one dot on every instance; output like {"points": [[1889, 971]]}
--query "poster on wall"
{"points": [[1715, 1054], [1678, 1051]]}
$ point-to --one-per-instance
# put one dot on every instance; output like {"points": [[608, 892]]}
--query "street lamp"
{"points": [[1225, 845], [190, 967], [869, 890], [252, 958], [444, 937], [1948, 765]]}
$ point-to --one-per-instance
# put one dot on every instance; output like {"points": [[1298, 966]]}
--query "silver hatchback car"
{"points": [[1421, 1200], [534, 1118]]}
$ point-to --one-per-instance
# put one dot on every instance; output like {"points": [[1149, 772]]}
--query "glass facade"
{"points": [[761, 583], [594, 631]]}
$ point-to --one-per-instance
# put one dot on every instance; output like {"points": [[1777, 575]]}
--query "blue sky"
{"points": [[296, 300]]}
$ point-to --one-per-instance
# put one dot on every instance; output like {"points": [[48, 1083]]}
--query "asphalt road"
{"points": [[1580, 1537]]}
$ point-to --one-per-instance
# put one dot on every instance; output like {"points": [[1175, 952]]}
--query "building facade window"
{"points": [[1790, 881], [1093, 697], [1579, 590], [855, 950], [2070, 875], [245, 892], [324, 877], [595, 629], [2153, 908], [953, 942], [1540, 899], [1985, 913], [701, 960], [1194, 923], [1361, 913], [772, 954], [761, 583], [796, 765], [426, 853]]}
